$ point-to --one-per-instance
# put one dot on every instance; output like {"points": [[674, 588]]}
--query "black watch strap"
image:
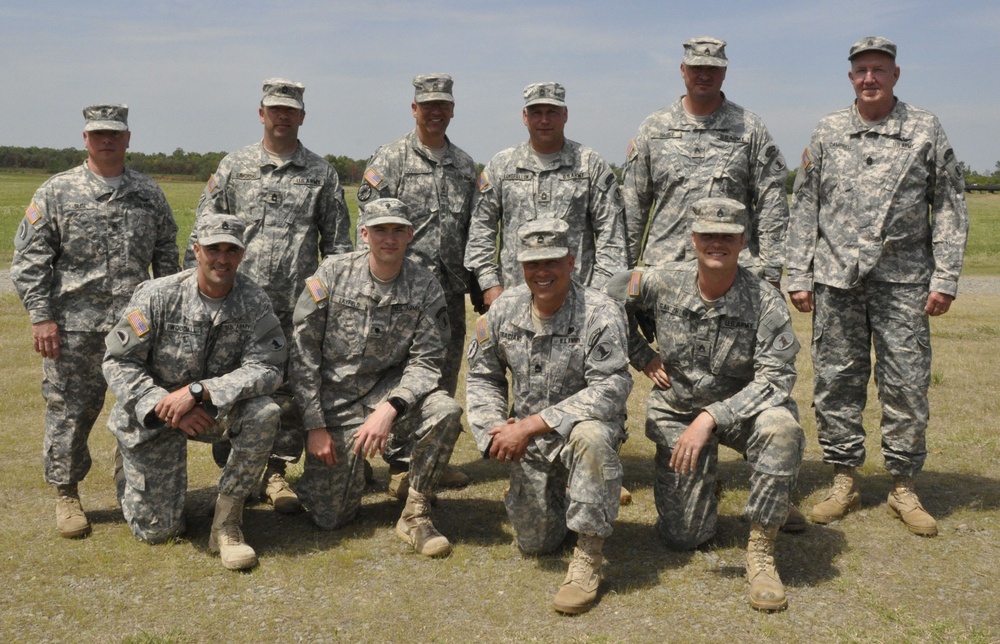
{"points": [[399, 405]]}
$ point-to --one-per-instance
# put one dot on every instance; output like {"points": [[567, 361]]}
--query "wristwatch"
{"points": [[197, 390], [399, 405]]}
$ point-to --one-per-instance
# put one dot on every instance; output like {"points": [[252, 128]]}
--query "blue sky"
{"points": [[191, 72]]}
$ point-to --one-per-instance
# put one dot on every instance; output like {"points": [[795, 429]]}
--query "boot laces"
{"points": [[760, 552]]}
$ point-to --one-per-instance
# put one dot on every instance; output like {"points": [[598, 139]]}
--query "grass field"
{"points": [[864, 579]]}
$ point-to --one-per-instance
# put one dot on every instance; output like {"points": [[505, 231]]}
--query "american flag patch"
{"points": [[806, 159], [372, 177], [138, 323], [482, 333], [633, 284], [32, 213], [482, 182], [631, 147], [212, 184], [316, 289]]}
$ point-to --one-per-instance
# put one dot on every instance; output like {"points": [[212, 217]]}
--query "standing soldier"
{"points": [[436, 180], [87, 240], [564, 346], [704, 146], [293, 206], [875, 245], [195, 356]]}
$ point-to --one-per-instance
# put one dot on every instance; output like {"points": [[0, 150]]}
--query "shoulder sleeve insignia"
{"points": [[482, 332], [634, 283], [482, 182], [784, 340], [373, 177], [212, 184], [33, 213], [806, 159], [631, 148], [138, 322], [316, 289]]}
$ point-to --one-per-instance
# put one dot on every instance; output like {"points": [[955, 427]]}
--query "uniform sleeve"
{"points": [[774, 366], [637, 193], [949, 216], [803, 223], [484, 230], [422, 371], [306, 356], [36, 246], [769, 173], [607, 215], [165, 254], [486, 384], [626, 288], [333, 218]]}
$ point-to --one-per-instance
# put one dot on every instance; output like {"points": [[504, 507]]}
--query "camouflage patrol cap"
{"points": [[220, 229], [543, 239], [705, 51], [433, 87], [278, 91], [873, 43], [549, 93], [106, 117], [386, 211], [718, 215]]}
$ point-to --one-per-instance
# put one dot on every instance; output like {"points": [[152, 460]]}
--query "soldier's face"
{"points": [[873, 75], [703, 82], [718, 250], [281, 123], [217, 265], [432, 117], [545, 124], [548, 279], [388, 242], [107, 146]]}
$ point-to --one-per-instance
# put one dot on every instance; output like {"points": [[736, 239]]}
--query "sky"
{"points": [[191, 72]]}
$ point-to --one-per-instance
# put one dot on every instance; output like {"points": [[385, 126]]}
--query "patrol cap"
{"points": [[718, 215], [433, 87], [706, 51], [106, 117], [386, 211], [873, 43], [549, 93], [220, 229], [278, 91], [540, 239]]}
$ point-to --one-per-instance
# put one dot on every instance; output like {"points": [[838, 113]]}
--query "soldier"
{"points": [[293, 206], [564, 345], [88, 238], [436, 180], [704, 146], [195, 356], [370, 334], [547, 176], [724, 375], [875, 245]]}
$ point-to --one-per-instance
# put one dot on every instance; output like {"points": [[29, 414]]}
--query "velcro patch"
{"points": [[634, 283], [373, 177], [33, 213], [806, 159], [212, 184], [482, 333], [482, 182], [784, 340], [631, 148], [138, 323], [316, 289]]}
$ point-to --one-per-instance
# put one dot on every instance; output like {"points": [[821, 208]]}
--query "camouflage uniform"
{"points": [[676, 159], [878, 220], [574, 374], [579, 188], [735, 361], [354, 349], [169, 338], [294, 214], [440, 199], [79, 253]]}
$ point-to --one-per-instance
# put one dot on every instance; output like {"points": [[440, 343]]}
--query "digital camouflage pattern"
{"points": [[676, 159], [167, 339], [870, 255], [439, 196], [579, 188], [79, 253], [353, 349], [735, 361], [574, 374]]}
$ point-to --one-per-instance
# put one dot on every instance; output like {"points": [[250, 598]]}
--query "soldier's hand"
{"points": [[173, 408], [319, 443], [195, 422], [802, 300], [510, 440], [656, 372], [938, 303], [690, 445], [491, 294], [45, 337], [373, 436]]}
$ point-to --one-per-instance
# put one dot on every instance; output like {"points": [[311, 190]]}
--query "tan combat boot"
{"points": [[71, 522], [279, 493], [843, 497], [766, 589], [453, 477], [579, 590], [624, 496], [905, 506], [226, 539], [795, 522], [415, 527], [399, 483]]}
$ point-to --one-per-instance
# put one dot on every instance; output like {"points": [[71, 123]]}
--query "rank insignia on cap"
{"points": [[372, 177], [33, 214], [138, 323], [633, 284], [482, 333], [806, 159], [316, 289], [212, 184], [482, 182]]}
